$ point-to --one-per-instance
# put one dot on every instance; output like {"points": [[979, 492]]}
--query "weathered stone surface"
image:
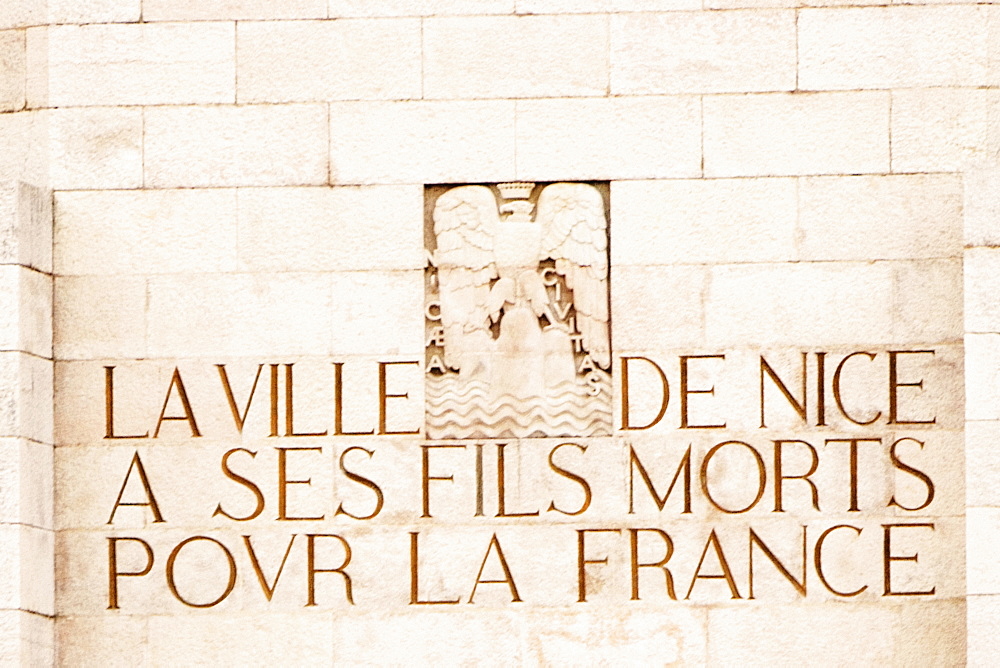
{"points": [[808, 133], [664, 222], [128, 64], [258, 145], [331, 229], [95, 148], [894, 47], [880, 217], [533, 56], [305, 61], [609, 138], [12, 70], [421, 142], [26, 301], [239, 10], [945, 129], [703, 52]]}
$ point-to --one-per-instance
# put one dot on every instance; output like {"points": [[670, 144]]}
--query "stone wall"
{"points": [[242, 183]]}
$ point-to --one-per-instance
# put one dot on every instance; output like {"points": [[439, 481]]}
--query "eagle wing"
{"points": [[575, 235], [465, 222]]}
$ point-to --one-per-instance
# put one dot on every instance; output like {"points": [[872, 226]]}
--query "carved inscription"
{"points": [[830, 481]]}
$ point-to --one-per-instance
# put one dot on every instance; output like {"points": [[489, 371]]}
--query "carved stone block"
{"points": [[517, 311]]}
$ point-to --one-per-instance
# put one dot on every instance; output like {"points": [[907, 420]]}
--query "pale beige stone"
{"points": [[79, 388], [758, 635], [880, 217], [649, 5], [378, 313], [982, 531], [240, 314], [893, 47], [145, 231], [141, 64], [982, 207], [388, 458], [258, 145], [591, 6], [233, 314], [100, 317], [703, 52], [330, 229], [421, 142], [26, 477], [97, 640], [26, 299], [942, 457], [25, 388], [982, 271], [713, 221], [646, 636], [188, 483], [26, 638], [940, 627], [231, 10], [875, 485], [982, 462], [25, 226], [643, 295], [94, 11], [927, 303], [757, 4], [804, 133], [982, 376], [983, 645], [77, 569], [528, 56], [945, 129], [12, 70], [36, 75], [336, 274], [26, 555], [822, 303], [24, 154], [22, 13], [141, 387], [185, 478], [458, 638], [608, 138], [531, 484], [943, 373], [328, 60], [346, 8], [95, 148], [562, 6], [301, 638], [736, 382]]}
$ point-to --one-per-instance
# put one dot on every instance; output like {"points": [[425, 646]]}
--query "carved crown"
{"points": [[516, 190]]}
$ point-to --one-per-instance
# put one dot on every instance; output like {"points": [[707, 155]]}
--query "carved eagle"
{"points": [[486, 264]]}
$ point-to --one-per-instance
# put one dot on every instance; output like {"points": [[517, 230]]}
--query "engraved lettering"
{"points": [[150, 498], [114, 573], [109, 406], [235, 477]]}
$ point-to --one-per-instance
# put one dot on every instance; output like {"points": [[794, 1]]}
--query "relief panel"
{"points": [[517, 311]]}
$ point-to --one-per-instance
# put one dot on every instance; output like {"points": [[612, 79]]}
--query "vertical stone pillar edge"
{"points": [[981, 268], [27, 577]]}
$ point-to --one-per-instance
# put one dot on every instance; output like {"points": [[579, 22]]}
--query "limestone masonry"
{"points": [[499, 332]]}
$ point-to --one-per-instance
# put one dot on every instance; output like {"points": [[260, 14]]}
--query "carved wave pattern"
{"points": [[459, 408]]}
